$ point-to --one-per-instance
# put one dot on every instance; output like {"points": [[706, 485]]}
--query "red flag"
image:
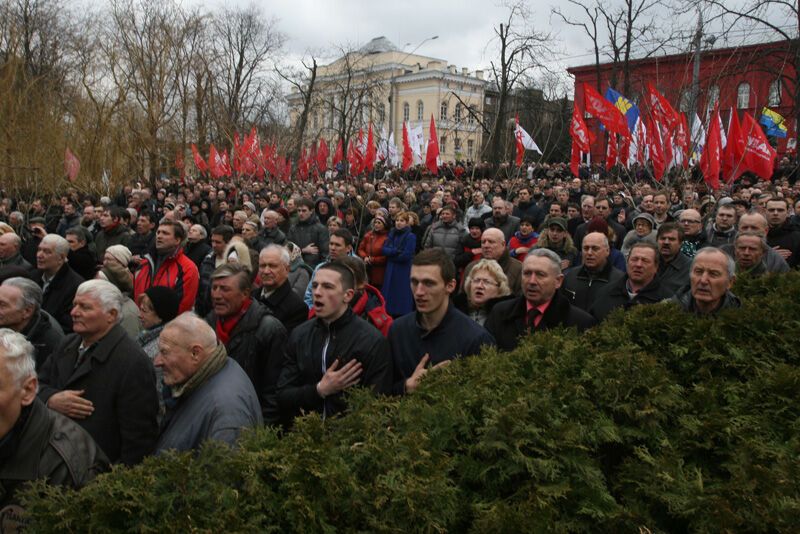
{"points": [[623, 150], [520, 145], [237, 153], [215, 165], [72, 166], [408, 157], [575, 159], [199, 162], [606, 112], [302, 166], [656, 149], [371, 152], [226, 165], [433, 150], [339, 154], [666, 143], [611, 151], [322, 156], [579, 131], [712, 153], [661, 109], [759, 156], [734, 150]]}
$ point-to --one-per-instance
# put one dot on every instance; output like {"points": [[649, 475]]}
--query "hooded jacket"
{"points": [[175, 271]]}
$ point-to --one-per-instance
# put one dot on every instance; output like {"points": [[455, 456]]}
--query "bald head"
{"points": [[10, 244], [753, 222], [691, 221], [493, 243], [190, 330]]}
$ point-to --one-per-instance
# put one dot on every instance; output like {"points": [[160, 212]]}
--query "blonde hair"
{"points": [[494, 269]]}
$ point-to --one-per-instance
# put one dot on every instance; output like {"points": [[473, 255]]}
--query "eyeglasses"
{"points": [[485, 282]]}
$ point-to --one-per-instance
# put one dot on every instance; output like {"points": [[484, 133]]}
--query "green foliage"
{"points": [[655, 421]]}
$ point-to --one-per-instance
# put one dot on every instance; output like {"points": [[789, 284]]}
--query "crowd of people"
{"points": [[165, 316]]}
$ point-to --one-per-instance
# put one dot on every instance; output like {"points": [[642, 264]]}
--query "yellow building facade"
{"points": [[380, 84]]}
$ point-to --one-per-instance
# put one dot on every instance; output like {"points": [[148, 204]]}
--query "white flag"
{"points": [[394, 159], [527, 140], [698, 140]]}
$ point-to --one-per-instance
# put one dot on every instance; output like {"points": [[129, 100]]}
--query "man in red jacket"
{"points": [[170, 267]]}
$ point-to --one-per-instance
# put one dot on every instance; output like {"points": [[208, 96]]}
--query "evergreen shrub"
{"points": [[655, 421]]}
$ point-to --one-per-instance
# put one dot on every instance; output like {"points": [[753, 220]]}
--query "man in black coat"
{"points": [[783, 236], [332, 352], [101, 378], [584, 282], [641, 284], [673, 266], [540, 307], [81, 258], [276, 292], [20, 310], [57, 279], [252, 337]]}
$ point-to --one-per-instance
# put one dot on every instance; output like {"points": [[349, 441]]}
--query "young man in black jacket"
{"points": [[332, 352]]}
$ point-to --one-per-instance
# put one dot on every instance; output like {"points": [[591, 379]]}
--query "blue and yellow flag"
{"points": [[774, 123], [626, 107]]}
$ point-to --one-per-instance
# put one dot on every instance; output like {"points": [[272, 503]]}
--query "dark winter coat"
{"points": [[675, 274], [257, 344], [272, 237], [286, 306], [46, 445], [509, 226], [788, 237], [57, 298], [347, 338], [446, 236], [45, 334], [202, 304], [142, 244], [310, 231], [615, 296], [197, 251], [218, 410], [508, 320], [118, 378], [455, 336], [465, 255], [582, 286], [686, 301], [119, 235], [399, 251], [16, 261], [83, 261]]}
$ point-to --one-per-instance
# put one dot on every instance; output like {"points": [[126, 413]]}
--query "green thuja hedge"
{"points": [[653, 422]]}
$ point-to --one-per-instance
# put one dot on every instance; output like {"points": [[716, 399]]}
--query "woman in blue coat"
{"points": [[399, 251]]}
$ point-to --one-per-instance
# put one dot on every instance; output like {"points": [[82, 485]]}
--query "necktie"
{"points": [[531, 319]]}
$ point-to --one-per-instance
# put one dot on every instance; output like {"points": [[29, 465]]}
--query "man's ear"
{"points": [[29, 388], [450, 286], [348, 295]]}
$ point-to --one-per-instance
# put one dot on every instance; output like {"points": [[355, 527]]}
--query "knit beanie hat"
{"points": [[121, 253], [119, 276], [165, 302]]}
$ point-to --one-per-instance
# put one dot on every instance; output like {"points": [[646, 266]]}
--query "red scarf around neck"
{"points": [[224, 327]]}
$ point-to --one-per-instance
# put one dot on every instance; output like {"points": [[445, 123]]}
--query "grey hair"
{"points": [[18, 355], [31, 292], [284, 252], [60, 245], [203, 231], [193, 328], [730, 262], [105, 292], [493, 268], [554, 258]]}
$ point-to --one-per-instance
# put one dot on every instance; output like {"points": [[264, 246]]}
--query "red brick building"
{"points": [[746, 78]]}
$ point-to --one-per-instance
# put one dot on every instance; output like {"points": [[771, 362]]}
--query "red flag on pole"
{"points": [[712, 153], [519, 143], [215, 165], [606, 112], [656, 149], [371, 152], [759, 156], [575, 158], [72, 166], [199, 162], [611, 151], [339, 154], [408, 157], [432, 153], [322, 156], [661, 109], [734, 150], [579, 131]]}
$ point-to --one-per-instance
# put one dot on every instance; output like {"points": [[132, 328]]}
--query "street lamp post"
{"points": [[392, 82]]}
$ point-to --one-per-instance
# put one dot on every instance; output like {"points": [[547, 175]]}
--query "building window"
{"points": [[458, 112], [420, 111], [381, 113], [743, 96], [406, 111], [774, 94], [442, 145], [331, 117], [470, 148], [443, 112], [471, 115], [685, 101], [457, 144], [713, 97]]}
